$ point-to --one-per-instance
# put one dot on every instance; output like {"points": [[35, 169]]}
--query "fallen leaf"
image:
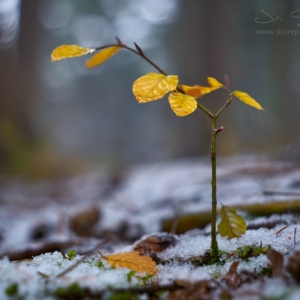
{"points": [[276, 259], [83, 222], [133, 261], [244, 97], [232, 276], [293, 265], [102, 56], [198, 290], [69, 51], [153, 86], [181, 104], [232, 225], [155, 244]]}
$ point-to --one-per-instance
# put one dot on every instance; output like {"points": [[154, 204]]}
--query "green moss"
{"points": [[146, 278], [71, 254], [124, 296], [70, 292], [130, 274], [265, 271], [12, 290], [100, 264], [250, 251]]}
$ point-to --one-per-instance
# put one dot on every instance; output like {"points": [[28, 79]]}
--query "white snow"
{"points": [[148, 195]]}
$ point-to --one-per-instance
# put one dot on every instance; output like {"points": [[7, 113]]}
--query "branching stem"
{"points": [[214, 244]]}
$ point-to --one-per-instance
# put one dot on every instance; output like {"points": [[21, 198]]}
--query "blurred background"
{"points": [[57, 118]]}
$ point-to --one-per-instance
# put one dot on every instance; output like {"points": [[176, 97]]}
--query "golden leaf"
{"points": [[194, 91], [181, 104], [69, 51], [153, 86], [214, 82], [232, 225], [197, 91], [247, 99], [133, 261], [102, 56]]}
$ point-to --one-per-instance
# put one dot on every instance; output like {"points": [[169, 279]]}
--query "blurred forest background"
{"points": [[57, 117]]}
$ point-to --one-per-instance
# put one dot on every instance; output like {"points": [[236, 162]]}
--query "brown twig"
{"points": [[83, 258], [280, 230]]}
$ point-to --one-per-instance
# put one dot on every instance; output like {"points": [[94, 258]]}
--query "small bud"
{"points": [[226, 80], [138, 49], [118, 41], [219, 129]]}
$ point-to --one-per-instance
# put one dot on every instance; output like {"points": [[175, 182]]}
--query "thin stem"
{"points": [[141, 54], [214, 243], [205, 110], [228, 101]]}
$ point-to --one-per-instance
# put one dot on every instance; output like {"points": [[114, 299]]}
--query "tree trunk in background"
{"points": [[16, 93]]}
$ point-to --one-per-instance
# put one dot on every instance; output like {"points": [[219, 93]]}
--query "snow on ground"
{"points": [[147, 195]]}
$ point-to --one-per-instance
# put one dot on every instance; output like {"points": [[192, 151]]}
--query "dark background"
{"points": [[57, 117]]}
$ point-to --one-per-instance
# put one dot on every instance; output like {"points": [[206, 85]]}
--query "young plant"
{"points": [[182, 99]]}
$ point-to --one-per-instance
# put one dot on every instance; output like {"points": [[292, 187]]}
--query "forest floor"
{"points": [[161, 210]]}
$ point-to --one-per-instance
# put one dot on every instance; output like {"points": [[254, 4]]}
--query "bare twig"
{"points": [[280, 230], [83, 258]]}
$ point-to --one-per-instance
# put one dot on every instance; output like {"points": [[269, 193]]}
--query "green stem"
{"points": [[228, 100], [205, 110], [214, 243]]}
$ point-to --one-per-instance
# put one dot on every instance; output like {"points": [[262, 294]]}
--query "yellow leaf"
{"points": [[197, 91], [68, 51], [194, 91], [214, 82], [247, 99], [153, 86], [181, 104], [102, 56], [232, 225], [133, 261]]}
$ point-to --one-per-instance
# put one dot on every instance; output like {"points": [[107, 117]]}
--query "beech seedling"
{"points": [[183, 101]]}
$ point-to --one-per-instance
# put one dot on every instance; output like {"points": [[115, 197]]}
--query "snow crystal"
{"points": [[169, 272]]}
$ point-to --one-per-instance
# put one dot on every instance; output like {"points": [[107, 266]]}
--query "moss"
{"points": [[70, 292], [71, 254], [250, 251], [100, 264], [265, 271], [124, 296], [130, 274], [12, 290]]}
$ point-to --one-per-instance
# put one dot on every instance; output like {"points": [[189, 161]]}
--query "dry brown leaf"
{"points": [[155, 244], [83, 222], [293, 265], [133, 261], [198, 290], [232, 276], [276, 259]]}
